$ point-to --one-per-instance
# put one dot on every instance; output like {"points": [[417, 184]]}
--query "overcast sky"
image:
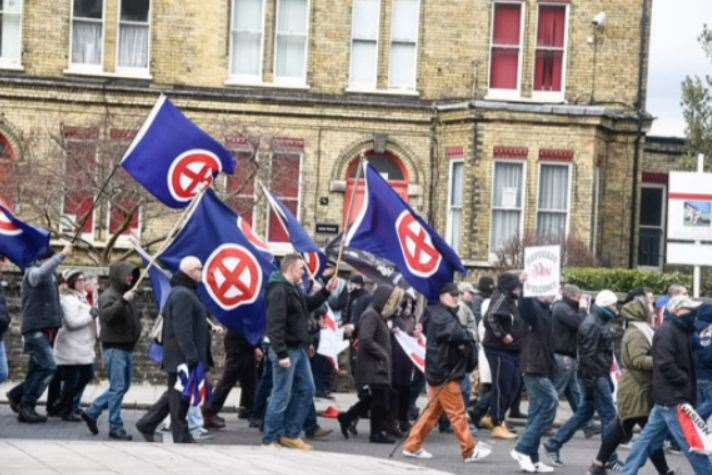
{"points": [[675, 53]]}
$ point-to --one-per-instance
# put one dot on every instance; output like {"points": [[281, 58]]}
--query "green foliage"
{"points": [[624, 280], [697, 104]]}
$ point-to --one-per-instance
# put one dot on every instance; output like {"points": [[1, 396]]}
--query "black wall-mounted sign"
{"points": [[327, 228]]}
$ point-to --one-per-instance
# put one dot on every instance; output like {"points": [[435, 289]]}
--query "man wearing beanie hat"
{"points": [[595, 353], [485, 287], [504, 330]]}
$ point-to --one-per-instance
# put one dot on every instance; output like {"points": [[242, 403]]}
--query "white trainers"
{"points": [[421, 454], [541, 467], [524, 461], [482, 451]]}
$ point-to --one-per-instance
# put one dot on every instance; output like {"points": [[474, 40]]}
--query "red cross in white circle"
{"points": [[421, 257], [6, 226], [232, 276], [254, 239], [190, 170], [312, 261]]}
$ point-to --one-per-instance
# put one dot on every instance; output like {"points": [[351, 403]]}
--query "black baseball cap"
{"points": [[450, 288]]}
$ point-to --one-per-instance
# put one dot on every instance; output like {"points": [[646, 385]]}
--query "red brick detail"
{"points": [[238, 143], [455, 152], [283, 145], [659, 178], [511, 153], [556, 155], [81, 133], [122, 135]]}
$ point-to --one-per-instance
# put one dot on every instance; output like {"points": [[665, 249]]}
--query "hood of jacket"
{"points": [[182, 279], [636, 311], [704, 316], [387, 299], [602, 314], [118, 273]]}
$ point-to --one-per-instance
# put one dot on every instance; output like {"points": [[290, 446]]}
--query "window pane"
{"points": [[551, 26], [248, 15], [505, 68], [133, 46], [508, 185], [11, 6], [366, 19], [649, 247], [86, 42], [285, 175], [10, 37], [88, 8], [403, 66], [277, 233], [554, 188], [405, 20], [552, 226], [455, 229], [505, 227], [364, 57], [246, 58], [290, 56], [243, 181], [548, 69], [293, 17], [456, 184], [134, 10], [507, 23], [651, 206]]}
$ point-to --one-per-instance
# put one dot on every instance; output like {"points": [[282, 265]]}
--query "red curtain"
{"points": [[505, 61], [549, 62], [507, 22], [243, 181]]}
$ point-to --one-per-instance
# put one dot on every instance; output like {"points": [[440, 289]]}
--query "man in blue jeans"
{"points": [[674, 383], [120, 330], [4, 325], [288, 322], [595, 352]]}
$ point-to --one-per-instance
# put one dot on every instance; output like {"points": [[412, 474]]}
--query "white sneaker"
{"points": [[421, 454], [524, 461], [541, 467], [482, 451]]}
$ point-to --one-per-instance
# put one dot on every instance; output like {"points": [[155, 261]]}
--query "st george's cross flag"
{"points": [[413, 347], [20, 242]]}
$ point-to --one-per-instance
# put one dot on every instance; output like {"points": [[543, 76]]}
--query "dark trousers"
{"points": [[264, 388], [171, 402], [322, 371], [239, 367], [68, 382], [506, 381], [400, 402], [40, 370], [376, 399], [619, 432]]}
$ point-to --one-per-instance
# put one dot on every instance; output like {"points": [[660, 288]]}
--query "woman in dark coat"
{"points": [[402, 370]]}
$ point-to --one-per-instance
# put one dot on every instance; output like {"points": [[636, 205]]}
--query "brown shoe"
{"points": [[320, 434], [294, 444], [501, 432], [212, 421], [486, 423]]}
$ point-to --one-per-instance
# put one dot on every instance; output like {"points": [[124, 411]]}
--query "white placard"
{"points": [[542, 265], [689, 254], [690, 206]]}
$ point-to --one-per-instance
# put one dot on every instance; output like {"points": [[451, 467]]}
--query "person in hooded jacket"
{"points": [[403, 367], [634, 395], [594, 346], [485, 287], [186, 341], [373, 364], [450, 354], [702, 343], [120, 324]]}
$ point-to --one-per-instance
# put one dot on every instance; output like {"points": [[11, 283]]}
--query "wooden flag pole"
{"points": [[347, 217]]}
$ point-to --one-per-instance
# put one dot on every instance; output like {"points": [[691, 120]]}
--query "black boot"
{"points": [[344, 424], [380, 438], [29, 415]]}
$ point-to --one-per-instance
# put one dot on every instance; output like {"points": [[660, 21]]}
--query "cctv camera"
{"points": [[599, 21]]}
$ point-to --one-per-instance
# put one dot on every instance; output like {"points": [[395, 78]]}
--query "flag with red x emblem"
{"points": [[387, 227], [173, 158], [235, 272]]}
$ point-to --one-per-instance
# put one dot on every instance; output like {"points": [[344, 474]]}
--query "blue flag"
{"points": [[314, 258], [387, 227], [160, 282], [235, 273], [20, 242], [173, 158]]}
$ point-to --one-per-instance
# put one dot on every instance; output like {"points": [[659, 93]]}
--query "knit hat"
{"points": [[450, 288], [508, 282], [682, 302], [70, 276], [606, 298], [485, 284]]}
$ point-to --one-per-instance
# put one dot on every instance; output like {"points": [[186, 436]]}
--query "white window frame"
{"points": [[568, 166], [450, 207], [246, 78], [596, 203], [498, 93], [553, 96], [6, 63], [124, 240], [662, 227], [283, 248], [414, 83], [359, 86], [83, 67], [287, 80], [522, 210], [127, 71]]}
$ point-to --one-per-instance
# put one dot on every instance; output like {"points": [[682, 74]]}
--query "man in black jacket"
{"points": [[186, 341], [449, 356], [120, 330], [595, 352], [674, 383], [41, 318], [288, 323]]}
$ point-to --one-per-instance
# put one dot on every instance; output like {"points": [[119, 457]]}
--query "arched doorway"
{"points": [[8, 182], [388, 165]]}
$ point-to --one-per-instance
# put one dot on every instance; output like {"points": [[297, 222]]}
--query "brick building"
{"points": [[495, 118]]}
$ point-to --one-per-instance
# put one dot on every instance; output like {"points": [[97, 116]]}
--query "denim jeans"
{"points": [[704, 398], [119, 365], [662, 419], [4, 369], [291, 398], [599, 398], [543, 401], [566, 380], [41, 368]]}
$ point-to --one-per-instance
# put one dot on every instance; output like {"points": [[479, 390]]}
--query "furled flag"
{"points": [[235, 273], [193, 385], [695, 430], [20, 242], [414, 348], [173, 158], [301, 241], [387, 227]]}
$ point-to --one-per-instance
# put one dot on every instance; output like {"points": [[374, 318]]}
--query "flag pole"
{"points": [[80, 226], [347, 217], [151, 261]]}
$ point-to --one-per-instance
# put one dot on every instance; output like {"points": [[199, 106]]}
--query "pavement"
{"points": [[64, 447]]}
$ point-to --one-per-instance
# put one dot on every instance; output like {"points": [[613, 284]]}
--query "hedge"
{"points": [[624, 280]]}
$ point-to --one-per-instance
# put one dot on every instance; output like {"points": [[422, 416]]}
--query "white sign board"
{"points": [[689, 254], [542, 265], [690, 207]]}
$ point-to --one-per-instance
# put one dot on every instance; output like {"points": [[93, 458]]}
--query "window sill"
{"points": [[388, 92], [267, 85], [11, 67], [536, 98], [103, 74]]}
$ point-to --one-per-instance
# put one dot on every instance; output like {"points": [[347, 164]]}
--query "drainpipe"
{"points": [[434, 122]]}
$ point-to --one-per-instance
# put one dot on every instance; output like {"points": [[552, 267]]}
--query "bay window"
{"points": [[454, 220], [507, 203], [554, 192]]}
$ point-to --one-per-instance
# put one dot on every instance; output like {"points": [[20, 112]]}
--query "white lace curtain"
{"points": [[86, 42], [247, 37], [133, 46], [406, 14], [553, 202], [364, 50], [291, 39], [456, 191], [507, 206], [10, 36]]}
